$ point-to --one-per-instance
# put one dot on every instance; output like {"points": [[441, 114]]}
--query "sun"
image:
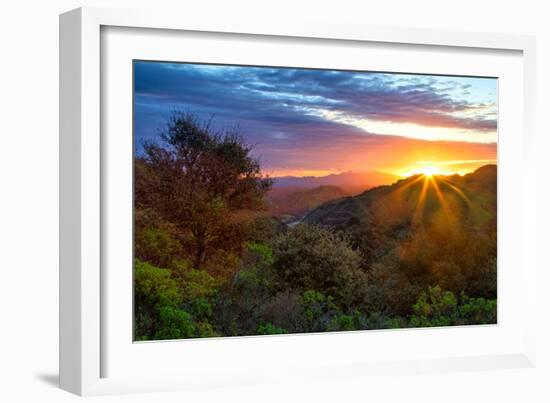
{"points": [[426, 170], [429, 170]]}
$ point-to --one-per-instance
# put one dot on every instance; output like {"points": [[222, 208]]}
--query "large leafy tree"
{"points": [[204, 182]]}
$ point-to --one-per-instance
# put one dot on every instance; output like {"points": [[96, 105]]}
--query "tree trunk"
{"points": [[199, 255]]}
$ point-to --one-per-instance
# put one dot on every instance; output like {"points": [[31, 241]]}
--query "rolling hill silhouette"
{"points": [[296, 201], [350, 182], [442, 202]]}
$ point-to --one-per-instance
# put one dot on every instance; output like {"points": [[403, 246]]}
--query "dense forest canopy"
{"points": [[214, 257]]}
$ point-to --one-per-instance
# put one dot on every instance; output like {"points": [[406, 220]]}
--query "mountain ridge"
{"points": [[350, 181], [297, 201], [472, 195]]}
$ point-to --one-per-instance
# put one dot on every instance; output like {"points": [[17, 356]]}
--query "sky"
{"points": [[306, 122]]}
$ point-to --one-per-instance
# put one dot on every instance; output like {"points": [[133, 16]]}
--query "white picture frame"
{"points": [[83, 171]]}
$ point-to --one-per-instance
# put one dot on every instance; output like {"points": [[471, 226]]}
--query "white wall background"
{"points": [[29, 201]]}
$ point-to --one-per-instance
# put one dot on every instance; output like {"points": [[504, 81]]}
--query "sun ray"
{"points": [[419, 209], [440, 196], [433, 182], [458, 191], [400, 189]]}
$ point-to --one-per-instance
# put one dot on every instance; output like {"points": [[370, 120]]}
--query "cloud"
{"points": [[273, 94], [286, 111]]}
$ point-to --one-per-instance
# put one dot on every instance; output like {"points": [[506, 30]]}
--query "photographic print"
{"points": [[271, 200]]}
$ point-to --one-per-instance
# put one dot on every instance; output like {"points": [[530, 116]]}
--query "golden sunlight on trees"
{"points": [[213, 258], [201, 183]]}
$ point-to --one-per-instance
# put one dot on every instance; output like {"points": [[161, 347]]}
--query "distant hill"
{"points": [[436, 230], [297, 201], [438, 201], [350, 182]]}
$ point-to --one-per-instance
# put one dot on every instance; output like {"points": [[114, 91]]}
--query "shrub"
{"points": [[154, 289], [157, 246], [314, 258], [317, 310], [477, 311], [341, 322], [174, 323], [436, 307], [389, 290], [268, 328]]}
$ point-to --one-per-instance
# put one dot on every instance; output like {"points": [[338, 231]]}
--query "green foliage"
{"points": [[170, 309], [477, 311], [268, 328], [378, 320], [211, 260], [389, 289], [154, 290], [264, 252], [197, 284], [154, 286], [341, 322], [173, 323], [314, 258], [317, 310], [157, 246], [176, 323], [436, 307], [198, 290], [238, 305], [321, 314], [256, 270]]}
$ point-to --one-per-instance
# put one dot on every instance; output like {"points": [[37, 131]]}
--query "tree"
{"points": [[204, 182], [310, 257]]}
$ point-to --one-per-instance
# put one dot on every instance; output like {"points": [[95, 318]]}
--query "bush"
{"points": [[174, 323], [154, 289], [484, 283], [268, 328], [241, 299], [314, 258], [164, 309], [157, 246], [378, 320], [199, 290], [317, 309], [436, 307], [154, 286], [477, 311], [341, 322], [389, 290]]}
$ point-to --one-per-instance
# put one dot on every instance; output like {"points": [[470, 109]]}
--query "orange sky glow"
{"points": [[313, 122], [396, 155]]}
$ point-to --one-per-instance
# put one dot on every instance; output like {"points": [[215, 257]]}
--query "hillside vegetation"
{"points": [[297, 202], [212, 258]]}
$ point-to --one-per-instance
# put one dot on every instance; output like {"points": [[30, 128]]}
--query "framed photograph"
{"points": [[244, 204]]}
